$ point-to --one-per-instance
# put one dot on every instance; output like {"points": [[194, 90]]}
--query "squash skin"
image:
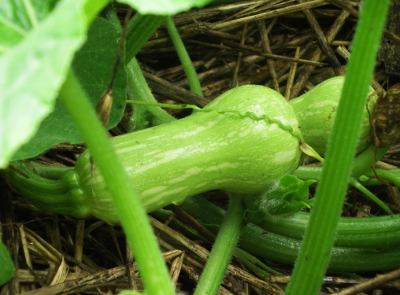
{"points": [[223, 149], [316, 112]]}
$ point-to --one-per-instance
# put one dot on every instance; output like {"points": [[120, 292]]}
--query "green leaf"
{"points": [[164, 7], [32, 71], [287, 198], [7, 267], [283, 199], [93, 64], [18, 17]]}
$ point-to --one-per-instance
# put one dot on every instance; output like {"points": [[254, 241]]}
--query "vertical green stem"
{"points": [[184, 57], [388, 175], [371, 196], [223, 247], [134, 220], [315, 250]]}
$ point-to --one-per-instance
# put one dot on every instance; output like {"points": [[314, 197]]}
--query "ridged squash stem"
{"points": [[352, 255], [313, 260], [51, 190], [351, 232], [133, 217], [223, 248], [184, 57]]}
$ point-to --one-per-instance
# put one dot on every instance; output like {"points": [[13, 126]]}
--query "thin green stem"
{"points": [[165, 105], [134, 220], [358, 209], [223, 247], [371, 196], [184, 57], [31, 13], [361, 165], [312, 261], [391, 176], [309, 172]]}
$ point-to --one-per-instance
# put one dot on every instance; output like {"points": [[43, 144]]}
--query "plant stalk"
{"points": [[313, 260], [223, 248], [134, 220], [184, 57]]}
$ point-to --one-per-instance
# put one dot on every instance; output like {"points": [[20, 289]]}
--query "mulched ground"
{"points": [[290, 46]]}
